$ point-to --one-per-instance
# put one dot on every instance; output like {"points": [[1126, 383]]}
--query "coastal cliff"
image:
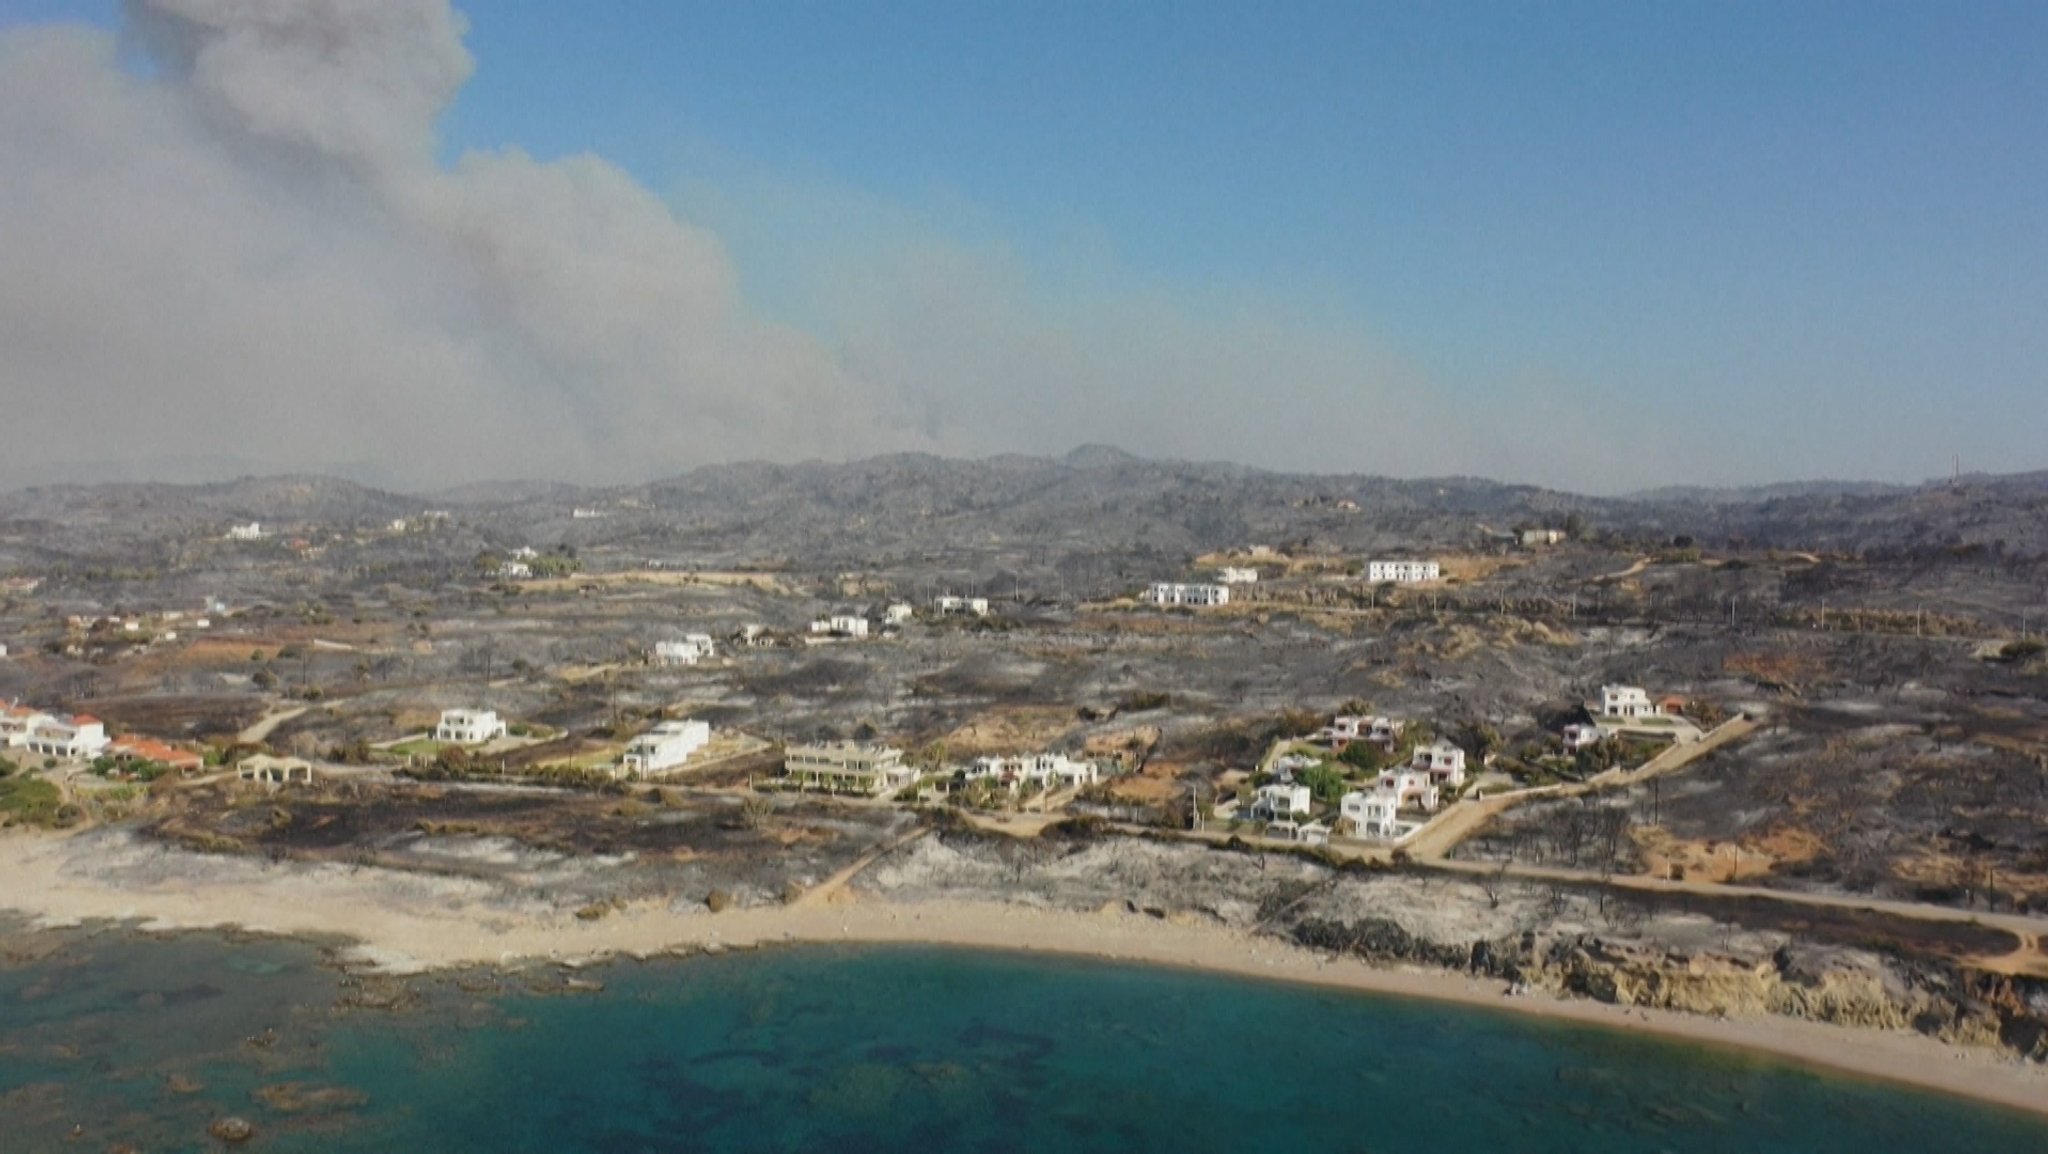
{"points": [[1686, 954]]}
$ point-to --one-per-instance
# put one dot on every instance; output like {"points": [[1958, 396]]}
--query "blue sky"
{"points": [[1812, 233]]}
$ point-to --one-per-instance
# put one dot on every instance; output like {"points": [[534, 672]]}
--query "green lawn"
{"points": [[29, 800]]}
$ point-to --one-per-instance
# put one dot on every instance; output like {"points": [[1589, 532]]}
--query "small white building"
{"points": [[1442, 761], [514, 571], [1307, 833], [1237, 575], [898, 614], [974, 606], [1579, 736], [694, 647], [253, 531], [1280, 800], [1401, 572], [1626, 701], [469, 727], [842, 625], [1200, 596], [1540, 538], [667, 745]]}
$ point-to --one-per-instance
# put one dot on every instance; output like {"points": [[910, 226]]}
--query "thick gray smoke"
{"points": [[248, 250]]}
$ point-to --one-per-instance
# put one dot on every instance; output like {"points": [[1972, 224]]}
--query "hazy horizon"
{"points": [[194, 472], [1599, 248]]}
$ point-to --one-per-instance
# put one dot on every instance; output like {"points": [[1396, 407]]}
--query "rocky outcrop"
{"points": [[1964, 1009]]}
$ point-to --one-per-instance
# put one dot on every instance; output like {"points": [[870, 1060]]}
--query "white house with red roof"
{"points": [[70, 738]]}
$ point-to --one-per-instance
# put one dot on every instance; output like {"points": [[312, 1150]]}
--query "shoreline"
{"points": [[401, 924]]}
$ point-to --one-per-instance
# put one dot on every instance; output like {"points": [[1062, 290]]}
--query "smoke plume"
{"points": [[247, 248]]}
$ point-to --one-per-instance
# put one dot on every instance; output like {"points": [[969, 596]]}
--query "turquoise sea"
{"points": [[113, 1039]]}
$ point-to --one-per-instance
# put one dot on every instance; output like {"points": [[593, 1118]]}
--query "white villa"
{"points": [[978, 606], [1626, 701], [848, 767], [1371, 814], [1049, 770], [1410, 787], [469, 726], [1376, 812], [1373, 729], [667, 745], [1442, 761], [842, 625], [514, 571], [1171, 593], [1237, 575], [1278, 801], [694, 647], [1401, 572], [898, 614], [253, 531], [53, 734]]}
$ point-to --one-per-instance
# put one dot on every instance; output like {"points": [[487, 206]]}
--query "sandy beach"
{"points": [[404, 923]]}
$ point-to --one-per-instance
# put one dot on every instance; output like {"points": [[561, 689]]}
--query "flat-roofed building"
{"points": [[1197, 595], [469, 726], [667, 745], [848, 767], [1402, 572], [694, 647]]}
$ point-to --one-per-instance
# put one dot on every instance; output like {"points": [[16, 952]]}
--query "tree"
{"points": [[1326, 782], [1479, 739], [1363, 755]]}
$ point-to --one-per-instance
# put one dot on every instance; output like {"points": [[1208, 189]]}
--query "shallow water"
{"points": [[882, 1049]]}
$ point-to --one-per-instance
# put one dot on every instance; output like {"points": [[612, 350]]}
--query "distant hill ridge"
{"points": [[1096, 495]]}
